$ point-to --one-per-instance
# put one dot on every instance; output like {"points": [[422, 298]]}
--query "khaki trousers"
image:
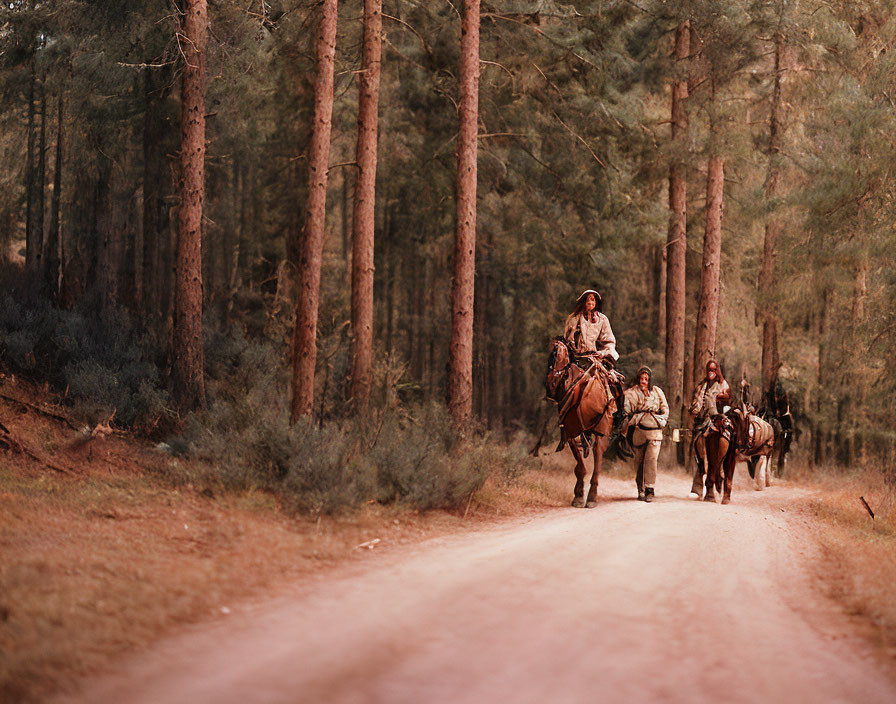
{"points": [[647, 449]]}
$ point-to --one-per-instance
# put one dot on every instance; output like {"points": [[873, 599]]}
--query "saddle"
{"points": [[760, 436]]}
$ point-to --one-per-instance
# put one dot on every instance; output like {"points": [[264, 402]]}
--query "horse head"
{"points": [[558, 366], [741, 430]]}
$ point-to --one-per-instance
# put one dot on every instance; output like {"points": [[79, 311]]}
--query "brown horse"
{"points": [[737, 436], [584, 405]]}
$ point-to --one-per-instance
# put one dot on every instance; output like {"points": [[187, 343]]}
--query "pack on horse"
{"points": [[585, 405], [737, 436], [767, 413], [776, 408]]}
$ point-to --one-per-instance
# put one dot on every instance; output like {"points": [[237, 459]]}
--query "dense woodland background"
{"points": [[575, 147]]}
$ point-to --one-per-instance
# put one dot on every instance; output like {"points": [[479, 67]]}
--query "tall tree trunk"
{"points": [[767, 310], [658, 274], [309, 264], [365, 200], [40, 187], [238, 217], [346, 224], [708, 313], [53, 241], [148, 292], [855, 403], [823, 397], [156, 229], [676, 241], [30, 245], [460, 372], [189, 383]]}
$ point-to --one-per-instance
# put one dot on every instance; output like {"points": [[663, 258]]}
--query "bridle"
{"points": [[560, 374]]}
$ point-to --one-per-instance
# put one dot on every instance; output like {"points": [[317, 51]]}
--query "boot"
{"points": [[648, 494]]}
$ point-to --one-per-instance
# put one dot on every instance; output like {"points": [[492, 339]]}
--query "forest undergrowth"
{"points": [[403, 450]]}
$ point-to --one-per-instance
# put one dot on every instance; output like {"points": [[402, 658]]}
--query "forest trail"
{"points": [[675, 601]]}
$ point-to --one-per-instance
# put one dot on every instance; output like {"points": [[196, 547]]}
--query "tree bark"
{"points": [[658, 274], [40, 187], [30, 245], [150, 288], [708, 313], [767, 310], [189, 383], [238, 217], [364, 211], [460, 373], [309, 264], [53, 255], [676, 241]]}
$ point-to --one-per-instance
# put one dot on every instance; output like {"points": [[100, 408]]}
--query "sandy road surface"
{"points": [[676, 601]]}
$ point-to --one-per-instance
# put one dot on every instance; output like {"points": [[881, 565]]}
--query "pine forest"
{"points": [[272, 232]]}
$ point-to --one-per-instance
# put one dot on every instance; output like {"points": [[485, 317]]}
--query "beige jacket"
{"points": [[703, 405], [648, 413], [594, 337]]}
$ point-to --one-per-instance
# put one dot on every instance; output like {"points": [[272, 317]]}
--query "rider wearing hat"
{"points": [[589, 330], [647, 412], [710, 394]]}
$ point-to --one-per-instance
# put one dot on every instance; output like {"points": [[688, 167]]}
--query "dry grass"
{"points": [[104, 554], [858, 565]]}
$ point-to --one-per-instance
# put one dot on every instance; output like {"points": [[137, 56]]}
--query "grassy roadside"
{"points": [[858, 555], [102, 554]]}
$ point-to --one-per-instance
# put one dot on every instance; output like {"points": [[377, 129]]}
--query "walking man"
{"points": [[647, 412]]}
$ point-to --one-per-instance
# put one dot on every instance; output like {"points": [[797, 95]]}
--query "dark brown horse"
{"points": [[732, 437], [584, 405]]}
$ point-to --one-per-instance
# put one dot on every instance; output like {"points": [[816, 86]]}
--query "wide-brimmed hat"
{"points": [[584, 293]]}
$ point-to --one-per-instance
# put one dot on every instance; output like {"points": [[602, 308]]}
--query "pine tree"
{"points": [[188, 374], [460, 374], [309, 265], [364, 211]]}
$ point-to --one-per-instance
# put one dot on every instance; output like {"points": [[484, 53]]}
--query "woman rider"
{"points": [[589, 330], [710, 394]]}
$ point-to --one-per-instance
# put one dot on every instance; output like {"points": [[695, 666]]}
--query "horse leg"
{"points": [[713, 468], [768, 469], [578, 499], [600, 445], [700, 471], [730, 464], [759, 479]]}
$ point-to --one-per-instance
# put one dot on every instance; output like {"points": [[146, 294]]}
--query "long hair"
{"points": [[720, 378], [580, 305]]}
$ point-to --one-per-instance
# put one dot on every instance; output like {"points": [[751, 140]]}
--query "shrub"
{"points": [[410, 458], [98, 361]]}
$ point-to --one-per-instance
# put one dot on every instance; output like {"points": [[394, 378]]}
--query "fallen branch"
{"points": [[10, 442], [41, 411], [867, 507]]}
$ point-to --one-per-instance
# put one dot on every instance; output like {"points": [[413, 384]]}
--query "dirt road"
{"points": [[676, 601]]}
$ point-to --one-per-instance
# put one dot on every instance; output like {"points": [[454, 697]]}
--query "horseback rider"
{"points": [[709, 397], [592, 338], [589, 330], [709, 394], [647, 412]]}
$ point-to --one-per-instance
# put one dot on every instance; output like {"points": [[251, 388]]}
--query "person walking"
{"points": [[647, 412]]}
